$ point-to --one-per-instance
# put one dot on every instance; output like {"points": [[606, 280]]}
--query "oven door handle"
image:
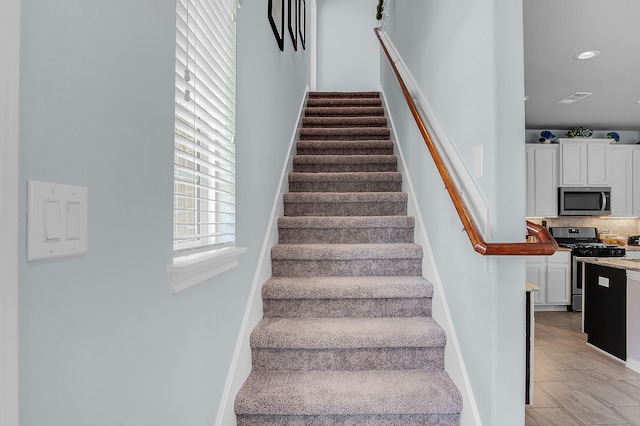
{"points": [[604, 201]]}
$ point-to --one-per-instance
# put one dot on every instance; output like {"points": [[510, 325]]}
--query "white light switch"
{"points": [[52, 220], [56, 220], [73, 220]]}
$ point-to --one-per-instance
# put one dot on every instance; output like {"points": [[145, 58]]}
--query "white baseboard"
{"points": [[613, 357], [633, 365], [550, 308]]}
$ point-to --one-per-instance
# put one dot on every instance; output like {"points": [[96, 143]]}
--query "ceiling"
{"points": [[556, 30]]}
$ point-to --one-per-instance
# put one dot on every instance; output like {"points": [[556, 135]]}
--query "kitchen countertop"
{"points": [[627, 248], [613, 262]]}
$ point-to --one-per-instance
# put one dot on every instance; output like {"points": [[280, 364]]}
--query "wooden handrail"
{"points": [[546, 244]]}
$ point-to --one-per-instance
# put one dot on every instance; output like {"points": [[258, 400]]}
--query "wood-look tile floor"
{"points": [[576, 384]]}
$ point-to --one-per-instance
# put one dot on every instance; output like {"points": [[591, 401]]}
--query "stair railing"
{"points": [[545, 244]]}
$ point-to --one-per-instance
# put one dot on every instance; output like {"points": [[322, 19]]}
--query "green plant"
{"points": [[579, 132], [379, 9]]}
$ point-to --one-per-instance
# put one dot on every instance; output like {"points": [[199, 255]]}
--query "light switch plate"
{"points": [[57, 223]]}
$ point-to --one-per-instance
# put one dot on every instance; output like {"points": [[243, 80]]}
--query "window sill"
{"points": [[187, 271]]}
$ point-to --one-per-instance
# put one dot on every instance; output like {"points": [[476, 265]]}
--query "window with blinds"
{"points": [[204, 153]]}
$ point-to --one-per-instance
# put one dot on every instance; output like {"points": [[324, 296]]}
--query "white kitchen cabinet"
{"points": [[621, 180], [559, 278], [537, 275], [553, 275], [584, 162], [636, 178], [542, 180]]}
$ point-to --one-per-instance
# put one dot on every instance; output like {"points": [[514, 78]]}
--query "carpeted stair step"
{"points": [[344, 163], [356, 111], [345, 182], [345, 203], [329, 260], [348, 95], [343, 102], [363, 147], [390, 343], [344, 133], [368, 397], [367, 297], [338, 122], [345, 229]]}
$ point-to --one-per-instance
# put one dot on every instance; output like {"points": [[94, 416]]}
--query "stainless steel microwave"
{"points": [[584, 201]]}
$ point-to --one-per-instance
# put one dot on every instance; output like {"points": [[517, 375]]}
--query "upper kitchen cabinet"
{"points": [[584, 162], [542, 180], [636, 179], [621, 165]]}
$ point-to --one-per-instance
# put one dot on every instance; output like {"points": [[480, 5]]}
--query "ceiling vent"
{"points": [[575, 97]]}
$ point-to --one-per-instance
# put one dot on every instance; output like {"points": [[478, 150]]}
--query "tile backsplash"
{"points": [[622, 227]]}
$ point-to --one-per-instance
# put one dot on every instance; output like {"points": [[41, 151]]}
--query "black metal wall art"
{"points": [[276, 19]]}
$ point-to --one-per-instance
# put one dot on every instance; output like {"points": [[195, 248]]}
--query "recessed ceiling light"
{"points": [[587, 54]]}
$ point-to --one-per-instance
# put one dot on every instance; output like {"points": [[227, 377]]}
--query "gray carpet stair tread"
{"points": [[344, 197], [346, 251], [345, 177], [346, 333], [369, 111], [373, 143], [345, 121], [344, 94], [344, 159], [348, 392], [346, 287], [330, 222], [360, 132]]}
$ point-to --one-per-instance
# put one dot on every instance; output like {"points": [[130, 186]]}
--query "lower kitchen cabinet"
{"points": [[553, 275]]}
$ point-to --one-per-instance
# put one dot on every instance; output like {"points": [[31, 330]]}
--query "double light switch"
{"points": [[57, 220]]}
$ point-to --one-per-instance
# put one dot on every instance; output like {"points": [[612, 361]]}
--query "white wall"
{"points": [[467, 58], [347, 49], [102, 340]]}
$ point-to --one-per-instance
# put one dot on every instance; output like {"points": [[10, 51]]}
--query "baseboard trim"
{"points": [[603, 352], [633, 365]]}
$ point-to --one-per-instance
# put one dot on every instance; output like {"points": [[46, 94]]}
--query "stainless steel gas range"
{"points": [[583, 242]]}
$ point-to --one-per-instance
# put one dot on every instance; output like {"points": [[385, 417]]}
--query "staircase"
{"points": [[347, 336]]}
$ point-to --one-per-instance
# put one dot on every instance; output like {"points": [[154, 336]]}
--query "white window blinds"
{"points": [[204, 153]]}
